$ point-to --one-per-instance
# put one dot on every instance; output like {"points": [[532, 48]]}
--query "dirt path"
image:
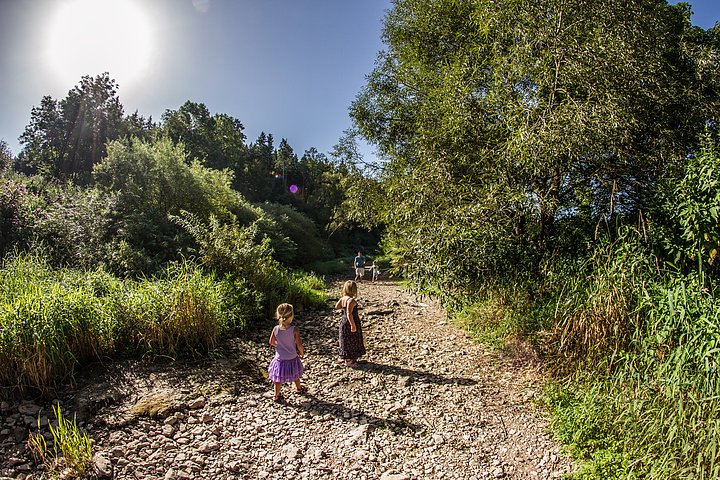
{"points": [[429, 403]]}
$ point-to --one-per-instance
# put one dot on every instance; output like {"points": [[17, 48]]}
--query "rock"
{"points": [[290, 451], [208, 447], [103, 466], [157, 404], [197, 404], [389, 475], [359, 434], [28, 409]]}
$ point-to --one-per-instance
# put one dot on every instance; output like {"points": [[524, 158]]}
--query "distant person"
{"points": [[359, 264], [375, 272], [352, 345], [286, 366]]}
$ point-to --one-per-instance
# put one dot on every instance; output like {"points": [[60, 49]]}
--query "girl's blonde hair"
{"points": [[350, 289], [284, 314]]}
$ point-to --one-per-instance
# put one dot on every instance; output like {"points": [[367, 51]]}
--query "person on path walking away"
{"points": [[359, 264], [286, 366], [352, 345]]}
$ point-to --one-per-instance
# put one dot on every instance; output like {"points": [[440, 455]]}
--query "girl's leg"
{"points": [[298, 387], [277, 391]]}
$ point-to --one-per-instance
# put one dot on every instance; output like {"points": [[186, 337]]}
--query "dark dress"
{"points": [[352, 345]]}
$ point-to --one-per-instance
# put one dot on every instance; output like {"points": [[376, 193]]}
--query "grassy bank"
{"points": [[53, 320]]}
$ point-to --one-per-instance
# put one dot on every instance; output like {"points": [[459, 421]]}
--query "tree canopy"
{"points": [[499, 119]]}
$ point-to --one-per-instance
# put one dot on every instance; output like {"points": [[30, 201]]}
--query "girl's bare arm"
{"points": [[349, 305], [298, 344], [273, 340]]}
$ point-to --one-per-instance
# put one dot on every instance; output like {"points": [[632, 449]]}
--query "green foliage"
{"points": [[15, 218], [499, 120], [217, 141], [72, 225], [649, 342], [71, 448], [241, 253], [689, 221], [305, 245], [329, 267], [6, 158], [152, 181], [601, 304]]}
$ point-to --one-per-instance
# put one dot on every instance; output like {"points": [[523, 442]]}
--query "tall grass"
{"points": [[635, 353], [53, 320], [645, 400]]}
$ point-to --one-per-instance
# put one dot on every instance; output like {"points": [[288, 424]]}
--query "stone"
{"points": [[103, 465], [28, 409], [208, 447], [197, 404], [389, 475]]}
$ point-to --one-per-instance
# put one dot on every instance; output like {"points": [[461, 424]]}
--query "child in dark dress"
{"points": [[350, 335]]}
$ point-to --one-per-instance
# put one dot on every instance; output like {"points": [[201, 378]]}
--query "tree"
{"points": [[135, 125], [498, 118], [6, 158], [259, 169], [217, 141], [43, 140], [286, 166], [65, 139], [152, 180]]}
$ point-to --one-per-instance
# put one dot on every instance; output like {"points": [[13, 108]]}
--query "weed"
{"points": [[71, 448]]}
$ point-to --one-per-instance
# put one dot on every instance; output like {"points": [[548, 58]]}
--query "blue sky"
{"points": [[286, 67]]}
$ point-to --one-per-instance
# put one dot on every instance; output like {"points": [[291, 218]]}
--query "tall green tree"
{"points": [[66, 138], [217, 141], [259, 169], [6, 157], [286, 165], [499, 118]]}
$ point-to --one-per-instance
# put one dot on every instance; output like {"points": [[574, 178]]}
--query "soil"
{"points": [[427, 403]]}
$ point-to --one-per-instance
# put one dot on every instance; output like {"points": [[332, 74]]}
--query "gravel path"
{"points": [[428, 404]]}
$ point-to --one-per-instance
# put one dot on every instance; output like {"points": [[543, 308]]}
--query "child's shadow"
{"points": [[320, 408], [416, 375]]}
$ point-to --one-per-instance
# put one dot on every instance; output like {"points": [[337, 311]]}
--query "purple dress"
{"points": [[286, 366]]}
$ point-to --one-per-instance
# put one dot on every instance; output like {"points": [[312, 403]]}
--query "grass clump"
{"points": [[71, 451]]}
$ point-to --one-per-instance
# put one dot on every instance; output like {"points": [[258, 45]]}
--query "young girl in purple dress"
{"points": [[286, 366]]}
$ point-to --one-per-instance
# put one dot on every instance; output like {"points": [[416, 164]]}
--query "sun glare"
{"points": [[89, 37]]}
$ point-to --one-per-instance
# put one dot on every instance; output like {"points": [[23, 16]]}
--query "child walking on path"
{"points": [[286, 366], [350, 336]]}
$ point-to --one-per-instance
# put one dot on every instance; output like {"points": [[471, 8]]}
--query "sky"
{"points": [[286, 67]]}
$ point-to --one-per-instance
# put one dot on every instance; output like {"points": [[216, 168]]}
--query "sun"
{"points": [[89, 37]]}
